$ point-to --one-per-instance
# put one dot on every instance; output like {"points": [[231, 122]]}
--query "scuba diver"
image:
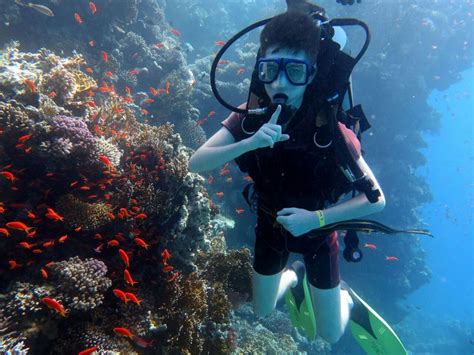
{"points": [[293, 140]]}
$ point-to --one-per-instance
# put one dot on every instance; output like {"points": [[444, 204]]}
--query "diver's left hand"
{"points": [[297, 221]]}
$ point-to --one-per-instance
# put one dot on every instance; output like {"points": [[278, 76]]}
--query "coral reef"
{"points": [[70, 138], [11, 342], [87, 216], [14, 117], [80, 284]]}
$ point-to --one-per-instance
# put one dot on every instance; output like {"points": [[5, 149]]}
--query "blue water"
{"points": [[449, 172]]}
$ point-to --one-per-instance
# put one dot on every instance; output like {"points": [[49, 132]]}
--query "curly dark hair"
{"points": [[294, 30]]}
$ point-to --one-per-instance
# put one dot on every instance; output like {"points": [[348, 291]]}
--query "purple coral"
{"points": [[74, 131], [80, 283]]}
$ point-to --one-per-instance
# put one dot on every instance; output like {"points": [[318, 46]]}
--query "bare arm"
{"points": [[218, 149], [358, 206]]}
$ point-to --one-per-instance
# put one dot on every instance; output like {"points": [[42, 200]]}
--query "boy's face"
{"points": [[281, 85]]}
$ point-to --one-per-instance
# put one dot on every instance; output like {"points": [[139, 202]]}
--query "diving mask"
{"points": [[297, 71]]}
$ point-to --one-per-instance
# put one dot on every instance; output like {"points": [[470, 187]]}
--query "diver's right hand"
{"points": [[268, 134]]}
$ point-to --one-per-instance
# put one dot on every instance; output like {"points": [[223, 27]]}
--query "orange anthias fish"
{"points": [[219, 43], [166, 255], [105, 57], [219, 194], [19, 226], [168, 85], [13, 264], [92, 7], [370, 246], [391, 258], [26, 245], [224, 172], [128, 277], [131, 297], [174, 276], [168, 268], [5, 232], [141, 243], [124, 332], [175, 32], [8, 175], [239, 210], [55, 305], [78, 18], [120, 294], [106, 161], [52, 214], [31, 85], [113, 243], [24, 138], [124, 257], [88, 351]]}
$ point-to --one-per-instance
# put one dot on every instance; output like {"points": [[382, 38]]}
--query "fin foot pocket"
{"points": [[300, 306]]}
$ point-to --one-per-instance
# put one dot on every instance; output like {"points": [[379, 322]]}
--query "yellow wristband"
{"points": [[320, 216]]}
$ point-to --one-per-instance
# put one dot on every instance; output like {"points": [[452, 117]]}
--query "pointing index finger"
{"points": [[275, 115]]}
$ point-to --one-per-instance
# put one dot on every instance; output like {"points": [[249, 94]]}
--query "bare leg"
{"points": [[332, 310], [268, 289]]}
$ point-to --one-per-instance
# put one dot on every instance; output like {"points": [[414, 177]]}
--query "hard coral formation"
{"points": [[108, 149], [232, 270], [49, 73], [88, 216], [14, 117], [11, 341], [84, 335], [70, 138], [24, 298], [80, 284]]}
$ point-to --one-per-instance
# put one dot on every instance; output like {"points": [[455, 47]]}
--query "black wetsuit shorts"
{"points": [[274, 243]]}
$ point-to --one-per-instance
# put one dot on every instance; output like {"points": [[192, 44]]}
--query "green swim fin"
{"points": [[300, 306], [370, 330]]}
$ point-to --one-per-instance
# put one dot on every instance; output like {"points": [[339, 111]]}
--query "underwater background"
{"points": [[108, 242]]}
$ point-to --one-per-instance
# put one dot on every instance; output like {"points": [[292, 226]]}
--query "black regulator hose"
{"points": [[334, 22]]}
